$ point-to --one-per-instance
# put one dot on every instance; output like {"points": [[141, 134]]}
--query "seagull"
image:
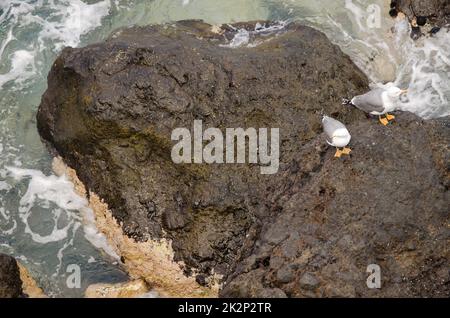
{"points": [[337, 135], [379, 101]]}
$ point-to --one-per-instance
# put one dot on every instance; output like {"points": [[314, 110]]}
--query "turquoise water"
{"points": [[40, 214]]}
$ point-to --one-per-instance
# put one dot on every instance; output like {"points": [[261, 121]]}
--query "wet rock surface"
{"points": [[10, 282], [309, 230]]}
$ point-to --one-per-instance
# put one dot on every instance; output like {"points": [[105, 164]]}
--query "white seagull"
{"points": [[379, 101], [337, 135]]}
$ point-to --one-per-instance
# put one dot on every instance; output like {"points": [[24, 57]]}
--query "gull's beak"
{"points": [[404, 91]]}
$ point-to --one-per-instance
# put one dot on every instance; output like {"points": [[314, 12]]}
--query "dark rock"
{"points": [[272, 293], [393, 12], [435, 30], [318, 215], [201, 280], [290, 248], [435, 12], [10, 282], [145, 81], [367, 210], [308, 281], [416, 33], [285, 274], [421, 21]]}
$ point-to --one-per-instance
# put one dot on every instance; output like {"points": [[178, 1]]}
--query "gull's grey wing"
{"points": [[330, 125], [371, 101]]}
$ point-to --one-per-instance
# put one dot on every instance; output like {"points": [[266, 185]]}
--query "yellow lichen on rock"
{"points": [[152, 261], [29, 285]]}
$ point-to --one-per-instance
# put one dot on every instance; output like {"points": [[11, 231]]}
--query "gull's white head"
{"points": [[394, 92]]}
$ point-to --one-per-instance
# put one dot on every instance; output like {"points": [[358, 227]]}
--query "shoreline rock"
{"points": [[151, 262], [10, 282], [30, 287], [143, 75], [386, 204], [308, 231], [16, 281]]}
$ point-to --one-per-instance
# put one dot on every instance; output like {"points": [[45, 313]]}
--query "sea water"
{"points": [[42, 218]]}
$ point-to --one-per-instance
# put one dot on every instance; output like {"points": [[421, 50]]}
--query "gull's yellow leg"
{"points": [[383, 121], [346, 151], [390, 117], [338, 153]]}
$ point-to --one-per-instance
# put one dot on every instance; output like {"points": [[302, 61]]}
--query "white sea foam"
{"points": [[9, 38], [22, 68], [426, 73], [382, 48], [50, 188], [244, 37], [60, 253], [72, 19], [47, 212], [421, 66], [67, 22], [7, 224], [4, 186], [6, 248], [241, 38], [386, 53], [96, 238], [42, 191]]}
